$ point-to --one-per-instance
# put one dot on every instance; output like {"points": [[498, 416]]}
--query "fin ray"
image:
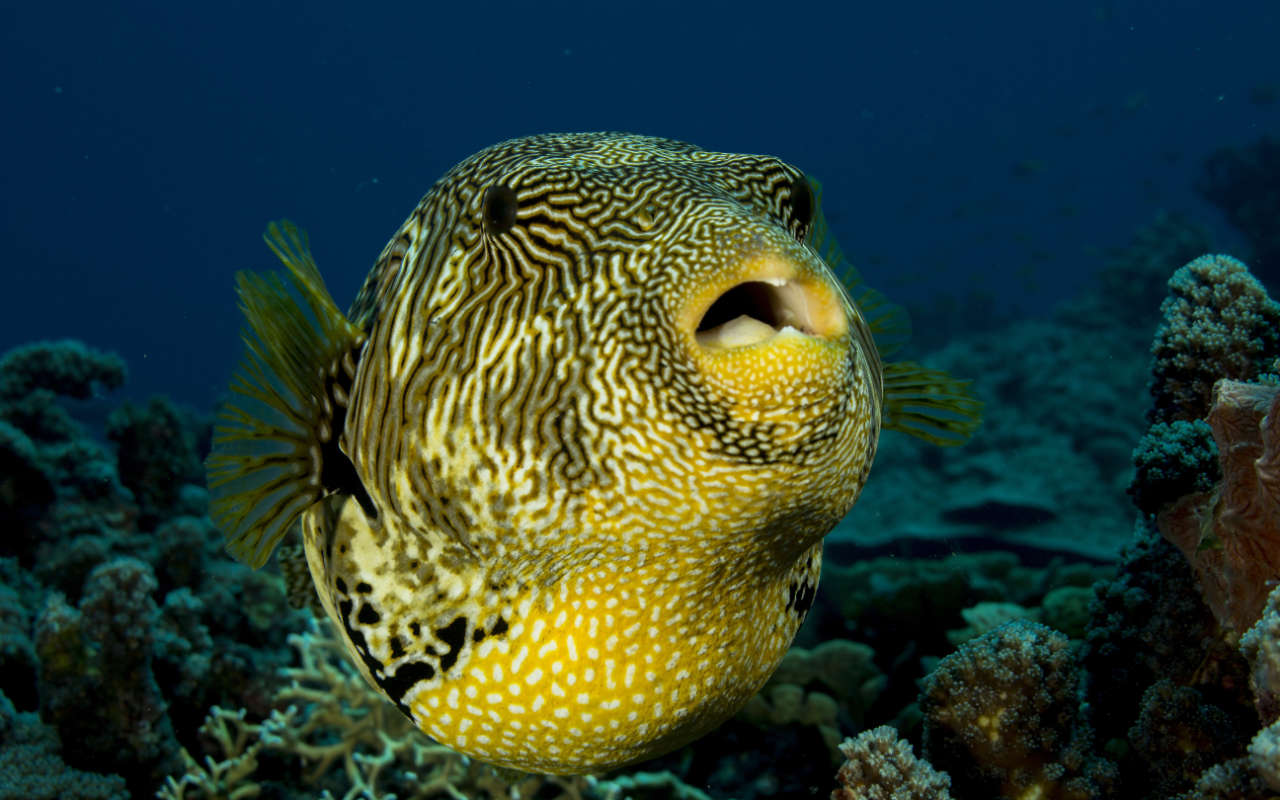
{"points": [[929, 404], [264, 470]]}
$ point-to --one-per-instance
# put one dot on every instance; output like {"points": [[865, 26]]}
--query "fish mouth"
{"points": [[755, 311]]}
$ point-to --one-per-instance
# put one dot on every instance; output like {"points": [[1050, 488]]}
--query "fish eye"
{"points": [[802, 204], [499, 209]]}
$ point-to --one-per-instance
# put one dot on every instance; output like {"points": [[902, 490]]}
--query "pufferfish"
{"points": [[563, 470]]}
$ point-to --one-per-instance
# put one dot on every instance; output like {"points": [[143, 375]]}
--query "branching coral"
{"points": [[1231, 536], [881, 766], [344, 738]]}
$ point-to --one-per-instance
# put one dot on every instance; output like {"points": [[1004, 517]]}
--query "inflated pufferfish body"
{"points": [[564, 471]]}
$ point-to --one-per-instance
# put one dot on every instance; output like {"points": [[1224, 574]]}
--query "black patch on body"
{"points": [[455, 636], [403, 680], [800, 596]]}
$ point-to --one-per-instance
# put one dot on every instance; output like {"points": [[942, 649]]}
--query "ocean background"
{"points": [[979, 156], [1023, 178]]}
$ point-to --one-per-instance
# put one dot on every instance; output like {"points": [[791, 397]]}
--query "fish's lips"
{"points": [[768, 297]]}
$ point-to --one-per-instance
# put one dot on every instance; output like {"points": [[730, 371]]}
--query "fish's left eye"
{"points": [[801, 205], [500, 205]]}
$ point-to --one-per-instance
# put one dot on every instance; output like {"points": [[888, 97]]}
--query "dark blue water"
{"points": [[987, 151]]}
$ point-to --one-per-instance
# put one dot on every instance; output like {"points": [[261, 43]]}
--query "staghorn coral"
{"points": [[1218, 322], [881, 766], [1001, 717], [1231, 536]]}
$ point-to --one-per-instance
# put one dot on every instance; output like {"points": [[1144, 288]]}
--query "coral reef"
{"points": [[1172, 460], [1231, 535], [32, 768], [120, 625], [342, 739], [835, 683], [135, 655], [96, 684], [1049, 466], [155, 455], [1178, 735], [1125, 301], [881, 766], [1001, 717], [1261, 646], [1218, 322]]}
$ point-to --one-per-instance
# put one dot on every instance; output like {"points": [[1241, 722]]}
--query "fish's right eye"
{"points": [[803, 203], [499, 209]]}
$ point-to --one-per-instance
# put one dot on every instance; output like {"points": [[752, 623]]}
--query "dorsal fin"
{"points": [[929, 404], [888, 321], [275, 447]]}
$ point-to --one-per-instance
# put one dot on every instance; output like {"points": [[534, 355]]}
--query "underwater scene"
{"points": [[661, 400]]}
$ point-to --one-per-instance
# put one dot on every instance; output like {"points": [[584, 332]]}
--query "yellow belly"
{"points": [[598, 678], [605, 667]]}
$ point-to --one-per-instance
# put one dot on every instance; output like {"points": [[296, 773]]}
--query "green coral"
{"points": [[1218, 323], [1172, 460]]}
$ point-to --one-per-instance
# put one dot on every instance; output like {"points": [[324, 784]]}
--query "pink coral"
{"points": [[1231, 535]]}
